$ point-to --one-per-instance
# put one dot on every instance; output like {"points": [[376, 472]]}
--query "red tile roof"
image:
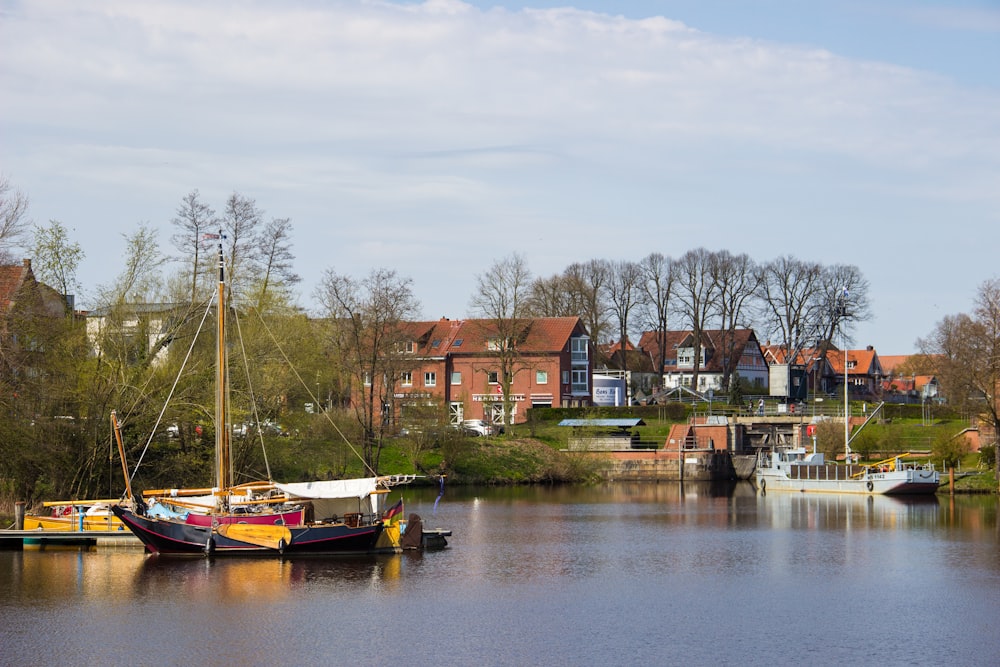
{"points": [[11, 278], [711, 339], [444, 336]]}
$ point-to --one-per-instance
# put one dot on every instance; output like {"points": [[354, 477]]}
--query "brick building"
{"points": [[455, 364]]}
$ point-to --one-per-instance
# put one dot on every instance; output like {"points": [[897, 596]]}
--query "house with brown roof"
{"points": [[900, 387], [26, 309], [20, 291], [863, 372], [633, 365], [824, 373], [809, 364], [714, 360], [455, 364]]}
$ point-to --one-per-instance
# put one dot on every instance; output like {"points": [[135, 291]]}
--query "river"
{"points": [[618, 574]]}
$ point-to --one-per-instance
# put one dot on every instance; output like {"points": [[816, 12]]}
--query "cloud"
{"points": [[476, 128]]}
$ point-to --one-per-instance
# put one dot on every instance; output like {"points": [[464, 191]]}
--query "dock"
{"points": [[17, 540]]}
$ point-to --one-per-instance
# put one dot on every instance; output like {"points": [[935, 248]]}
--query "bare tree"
{"points": [[501, 300], [696, 298], [14, 221], [550, 297], [275, 259], [587, 282], [736, 279], [625, 293], [967, 354], [241, 223], [56, 258], [841, 301], [659, 276], [366, 319], [195, 220], [789, 289]]}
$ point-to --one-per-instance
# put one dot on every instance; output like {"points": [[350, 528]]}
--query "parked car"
{"points": [[476, 427]]}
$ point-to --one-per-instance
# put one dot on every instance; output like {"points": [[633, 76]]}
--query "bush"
{"points": [[948, 449], [988, 457]]}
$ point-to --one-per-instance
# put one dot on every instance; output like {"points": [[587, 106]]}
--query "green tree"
{"points": [[14, 220], [966, 351], [949, 449], [56, 258], [42, 451]]}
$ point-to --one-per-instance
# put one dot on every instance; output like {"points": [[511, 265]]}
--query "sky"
{"points": [[436, 138]]}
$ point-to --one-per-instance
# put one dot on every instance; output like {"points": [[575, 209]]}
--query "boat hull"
{"points": [[292, 517], [170, 537], [71, 523], [907, 482]]}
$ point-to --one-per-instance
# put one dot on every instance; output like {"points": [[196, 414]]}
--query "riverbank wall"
{"points": [[667, 466]]}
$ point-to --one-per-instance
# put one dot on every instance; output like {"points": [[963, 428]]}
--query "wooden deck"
{"points": [[16, 540]]}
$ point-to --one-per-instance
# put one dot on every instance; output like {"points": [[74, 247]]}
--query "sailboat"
{"points": [[268, 519]]}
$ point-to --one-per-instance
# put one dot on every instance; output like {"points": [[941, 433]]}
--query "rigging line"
{"points": [[253, 399], [314, 398], [140, 390], [173, 387]]}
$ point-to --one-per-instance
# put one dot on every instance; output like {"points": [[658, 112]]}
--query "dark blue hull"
{"points": [[169, 537]]}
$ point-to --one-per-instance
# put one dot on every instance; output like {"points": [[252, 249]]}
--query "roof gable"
{"points": [[12, 277], [472, 337]]}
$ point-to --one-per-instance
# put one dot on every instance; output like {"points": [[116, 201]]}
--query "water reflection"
{"points": [[568, 575], [265, 579], [817, 511]]}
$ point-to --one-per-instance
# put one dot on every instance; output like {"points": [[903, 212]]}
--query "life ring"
{"points": [[870, 485]]}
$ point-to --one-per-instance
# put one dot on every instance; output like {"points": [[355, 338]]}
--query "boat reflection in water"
{"points": [[265, 580], [837, 511], [694, 574]]}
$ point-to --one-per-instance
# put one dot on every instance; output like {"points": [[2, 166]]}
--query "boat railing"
{"points": [[827, 471]]}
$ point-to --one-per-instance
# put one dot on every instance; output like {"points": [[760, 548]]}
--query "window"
{"points": [[579, 348], [458, 342], [406, 348], [456, 377], [430, 379], [565, 377], [406, 379], [493, 377], [496, 344], [580, 381], [541, 377], [366, 377]]}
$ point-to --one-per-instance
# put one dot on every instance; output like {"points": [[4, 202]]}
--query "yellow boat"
{"points": [[78, 515]]}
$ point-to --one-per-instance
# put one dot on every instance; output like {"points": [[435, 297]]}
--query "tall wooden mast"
{"points": [[223, 459]]}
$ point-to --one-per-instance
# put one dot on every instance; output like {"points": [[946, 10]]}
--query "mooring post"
{"points": [[19, 515], [951, 480]]}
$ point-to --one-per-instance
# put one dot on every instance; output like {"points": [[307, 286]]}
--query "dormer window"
{"points": [[408, 347], [497, 344]]}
